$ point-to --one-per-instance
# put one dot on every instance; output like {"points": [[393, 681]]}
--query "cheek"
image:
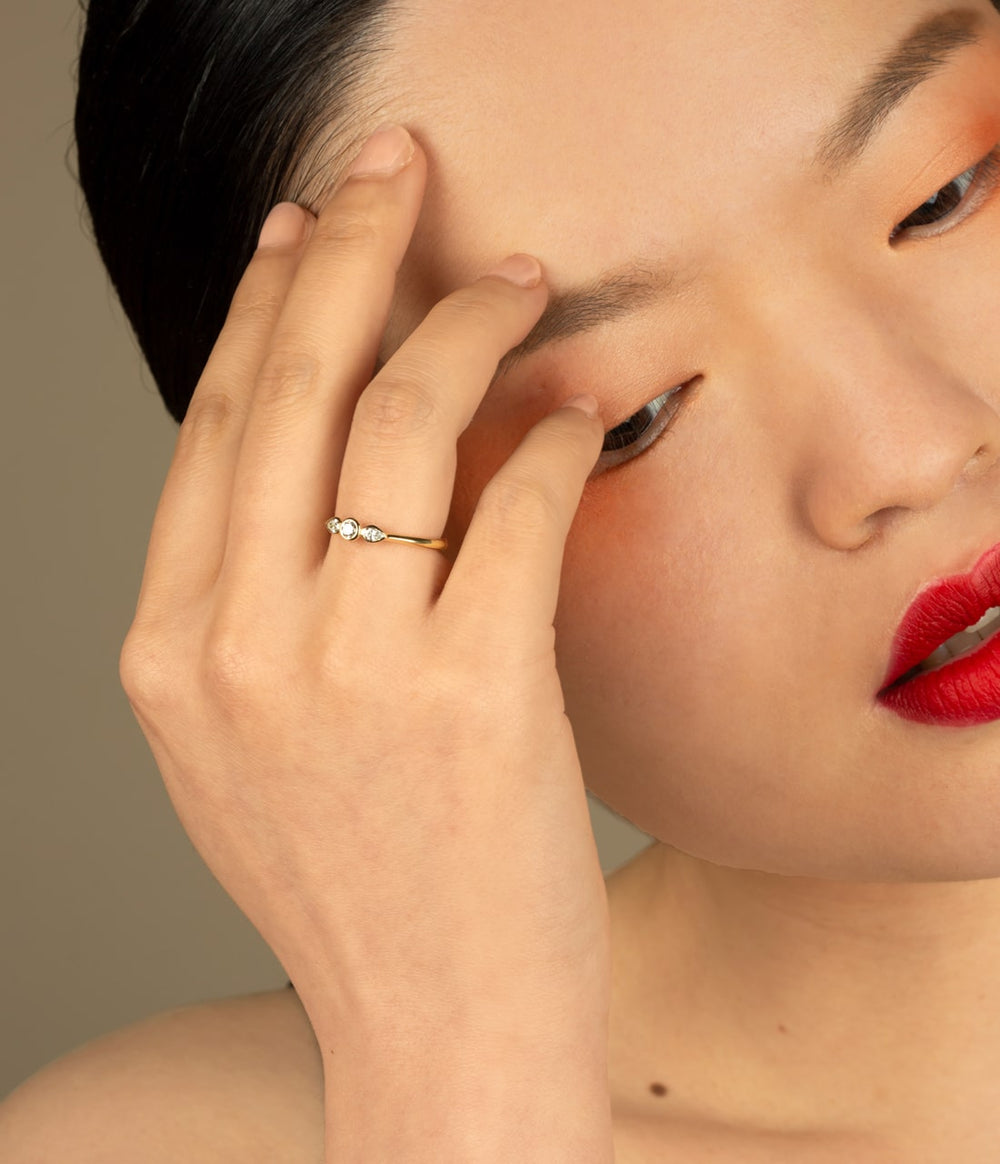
{"points": [[953, 298], [669, 642], [974, 333], [663, 606]]}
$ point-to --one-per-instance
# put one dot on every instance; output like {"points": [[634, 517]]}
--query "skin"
{"points": [[814, 936], [809, 948], [803, 964]]}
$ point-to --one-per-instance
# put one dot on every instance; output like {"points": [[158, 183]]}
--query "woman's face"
{"points": [[731, 593]]}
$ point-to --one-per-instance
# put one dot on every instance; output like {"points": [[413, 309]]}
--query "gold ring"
{"points": [[350, 530]]}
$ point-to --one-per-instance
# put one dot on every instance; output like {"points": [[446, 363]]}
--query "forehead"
{"points": [[587, 132]]}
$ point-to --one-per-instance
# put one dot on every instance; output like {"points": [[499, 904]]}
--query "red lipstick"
{"points": [[962, 691]]}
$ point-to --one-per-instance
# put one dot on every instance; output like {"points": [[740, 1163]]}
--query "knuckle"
{"points": [[348, 232], [472, 308], [399, 405], [229, 667], [146, 670], [521, 504], [211, 413], [568, 435], [352, 677], [256, 308], [286, 377], [343, 681]]}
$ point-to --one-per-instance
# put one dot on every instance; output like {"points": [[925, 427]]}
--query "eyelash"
{"points": [[983, 179], [636, 433]]}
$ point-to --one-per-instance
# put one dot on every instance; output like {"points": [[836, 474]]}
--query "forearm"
{"points": [[524, 1097]]}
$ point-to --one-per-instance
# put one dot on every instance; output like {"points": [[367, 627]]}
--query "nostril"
{"points": [[982, 460]]}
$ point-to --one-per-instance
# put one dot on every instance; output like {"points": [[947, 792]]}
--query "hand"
{"points": [[367, 743]]}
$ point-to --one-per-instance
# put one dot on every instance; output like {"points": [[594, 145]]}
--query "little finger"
{"points": [[189, 527]]}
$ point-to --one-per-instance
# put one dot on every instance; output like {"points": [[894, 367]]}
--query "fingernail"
{"points": [[585, 402], [523, 270], [283, 227], [385, 153]]}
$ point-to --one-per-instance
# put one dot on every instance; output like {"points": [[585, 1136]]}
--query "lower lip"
{"points": [[963, 692]]}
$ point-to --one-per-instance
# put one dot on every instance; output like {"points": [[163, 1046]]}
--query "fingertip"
{"points": [[387, 151], [520, 269], [284, 226], [585, 403]]}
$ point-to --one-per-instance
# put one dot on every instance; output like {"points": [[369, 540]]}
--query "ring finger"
{"points": [[398, 472]]}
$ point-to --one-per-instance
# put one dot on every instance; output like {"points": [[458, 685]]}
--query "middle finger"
{"points": [[322, 352], [399, 465]]}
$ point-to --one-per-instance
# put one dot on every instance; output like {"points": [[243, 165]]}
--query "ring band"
{"points": [[350, 530]]}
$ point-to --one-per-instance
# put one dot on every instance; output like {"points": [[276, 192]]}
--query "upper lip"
{"points": [[942, 609]]}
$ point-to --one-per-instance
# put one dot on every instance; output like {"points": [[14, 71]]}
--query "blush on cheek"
{"points": [[984, 130], [982, 126], [627, 525]]}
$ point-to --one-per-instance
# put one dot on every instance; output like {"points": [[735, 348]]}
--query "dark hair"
{"points": [[193, 117]]}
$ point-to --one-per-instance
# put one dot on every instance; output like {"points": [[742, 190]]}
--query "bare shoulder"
{"points": [[236, 1079]]}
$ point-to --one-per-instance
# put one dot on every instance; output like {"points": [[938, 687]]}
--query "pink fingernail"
{"points": [[523, 270], [385, 153], [283, 227], [584, 402]]}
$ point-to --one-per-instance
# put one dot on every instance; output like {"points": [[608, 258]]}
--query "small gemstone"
{"points": [[371, 533], [334, 524], [349, 529]]}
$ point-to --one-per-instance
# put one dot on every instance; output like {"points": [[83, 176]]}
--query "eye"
{"points": [[955, 202], [637, 433]]}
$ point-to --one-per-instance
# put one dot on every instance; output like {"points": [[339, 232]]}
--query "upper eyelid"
{"points": [[990, 163], [985, 182]]}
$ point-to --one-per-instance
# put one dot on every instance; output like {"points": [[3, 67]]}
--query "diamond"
{"points": [[371, 533], [349, 529], [334, 524]]}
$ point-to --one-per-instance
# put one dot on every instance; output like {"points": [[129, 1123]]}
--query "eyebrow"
{"points": [[627, 289], [922, 53], [618, 292]]}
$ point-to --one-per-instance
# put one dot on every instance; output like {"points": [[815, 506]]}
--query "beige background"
{"points": [[107, 912]]}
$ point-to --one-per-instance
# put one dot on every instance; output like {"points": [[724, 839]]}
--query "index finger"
{"points": [[187, 540]]}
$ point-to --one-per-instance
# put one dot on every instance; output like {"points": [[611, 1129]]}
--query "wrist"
{"points": [[417, 1096]]}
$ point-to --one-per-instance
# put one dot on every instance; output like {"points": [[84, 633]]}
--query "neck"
{"points": [[823, 1004]]}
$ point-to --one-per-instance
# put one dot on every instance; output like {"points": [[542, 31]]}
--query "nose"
{"points": [[883, 425]]}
